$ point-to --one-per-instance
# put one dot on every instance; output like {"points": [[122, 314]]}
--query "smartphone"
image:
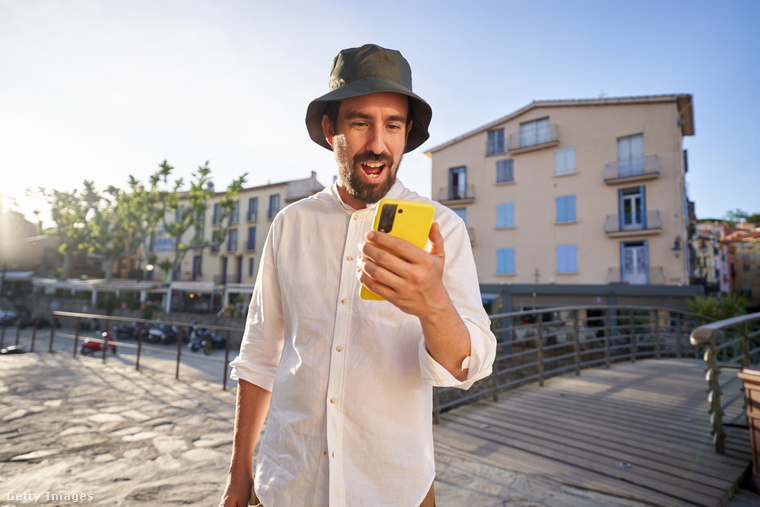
{"points": [[409, 220]]}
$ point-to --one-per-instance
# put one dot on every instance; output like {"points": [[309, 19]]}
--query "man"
{"points": [[346, 382]]}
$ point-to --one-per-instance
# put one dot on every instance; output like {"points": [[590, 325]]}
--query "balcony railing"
{"points": [[636, 168], [456, 193], [543, 138], [652, 275], [638, 221]]}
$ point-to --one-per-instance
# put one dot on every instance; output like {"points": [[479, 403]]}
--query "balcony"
{"points": [[633, 224], [520, 142], [456, 195], [652, 275], [632, 169]]}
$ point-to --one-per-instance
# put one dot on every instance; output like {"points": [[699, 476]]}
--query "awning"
{"points": [[196, 286], [489, 297], [18, 275]]}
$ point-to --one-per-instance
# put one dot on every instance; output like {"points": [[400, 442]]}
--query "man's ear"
{"points": [[328, 129]]}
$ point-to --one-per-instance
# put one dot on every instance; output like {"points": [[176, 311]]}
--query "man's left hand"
{"points": [[408, 277]]}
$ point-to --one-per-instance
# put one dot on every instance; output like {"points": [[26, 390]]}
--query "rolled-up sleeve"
{"points": [[461, 281], [263, 338]]}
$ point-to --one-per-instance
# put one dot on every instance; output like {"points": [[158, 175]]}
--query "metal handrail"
{"points": [[638, 221], [632, 167], [729, 344], [535, 345], [456, 194]]}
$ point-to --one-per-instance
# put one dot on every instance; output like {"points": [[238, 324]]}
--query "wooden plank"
{"points": [[585, 426], [453, 443]]}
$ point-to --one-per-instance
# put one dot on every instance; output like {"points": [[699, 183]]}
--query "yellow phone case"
{"points": [[412, 221]]}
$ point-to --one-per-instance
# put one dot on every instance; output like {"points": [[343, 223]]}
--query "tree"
{"points": [[121, 221], [719, 308], [735, 216], [69, 211], [179, 219]]}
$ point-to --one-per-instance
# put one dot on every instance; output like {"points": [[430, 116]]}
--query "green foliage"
{"points": [[723, 307], [147, 312]]}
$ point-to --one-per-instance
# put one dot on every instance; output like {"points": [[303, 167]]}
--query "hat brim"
{"points": [[421, 113]]}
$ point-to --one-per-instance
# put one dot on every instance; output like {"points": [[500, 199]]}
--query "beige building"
{"points": [[228, 271], [574, 192]]}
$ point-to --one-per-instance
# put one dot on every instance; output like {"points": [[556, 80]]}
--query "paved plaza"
{"points": [[77, 431]]}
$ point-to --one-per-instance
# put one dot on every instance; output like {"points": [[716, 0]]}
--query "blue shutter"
{"points": [[571, 208], [620, 210], [505, 261], [505, 215], [567, 259], [642, 189]]}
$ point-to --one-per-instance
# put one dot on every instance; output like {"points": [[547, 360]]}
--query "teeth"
{"points": [[374, 164]]}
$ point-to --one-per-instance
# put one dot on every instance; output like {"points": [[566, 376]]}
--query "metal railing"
{"points": [[637, 221], [632, 167], [456, 193], [651, 275], [533, 346], [728, 344], [521, 140]]}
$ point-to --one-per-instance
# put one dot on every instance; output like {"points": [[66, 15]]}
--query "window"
{"points": [[495, 142], [505, 170], [274, 205], [235, 215], [632, 208], [630, 155], [251, 238], [458, 183], [505, 261], [253, 208], [566, 208], [567, 259], [232, 240], [462, 212], [217, 214], [505, 215], [196, 267], [178, 213], [535, 132], [250, 266], [564, 161]]}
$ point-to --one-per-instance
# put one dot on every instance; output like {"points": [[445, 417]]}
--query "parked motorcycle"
{"points": [[212, 341], [125, 331], [163, 333], [90, 346]]}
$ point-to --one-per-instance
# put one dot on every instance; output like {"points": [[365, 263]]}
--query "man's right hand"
{"points": [[237, 492]]}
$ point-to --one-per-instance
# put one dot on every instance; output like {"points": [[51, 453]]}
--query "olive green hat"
{"points": [[365, 70]]}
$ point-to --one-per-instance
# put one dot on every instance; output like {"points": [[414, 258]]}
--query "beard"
{"points": [[349, 173]]}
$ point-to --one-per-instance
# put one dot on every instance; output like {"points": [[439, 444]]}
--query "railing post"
{"points": [[576, 345], [632, 332], [34, 333], [18, 333], [713, 398], [436, 407], [607, 339], [179, 350], [540, 351], [2, 337], [657, 334], [226, 360], [679, 334], [53, 323], [139, 347], [76, 336]]}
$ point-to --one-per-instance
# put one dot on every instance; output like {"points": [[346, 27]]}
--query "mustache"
{"points": [[373, 157]]}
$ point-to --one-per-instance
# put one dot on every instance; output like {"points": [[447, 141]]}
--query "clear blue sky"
{"points": [[102, 89]]}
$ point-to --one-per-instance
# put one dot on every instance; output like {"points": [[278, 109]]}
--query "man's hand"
{"points": [[412, 279], [237, 492]]}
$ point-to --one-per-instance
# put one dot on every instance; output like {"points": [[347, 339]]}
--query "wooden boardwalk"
{"points": [[637, 432]]}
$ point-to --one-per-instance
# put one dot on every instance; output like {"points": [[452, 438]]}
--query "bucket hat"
{"points": [[365, 70]]}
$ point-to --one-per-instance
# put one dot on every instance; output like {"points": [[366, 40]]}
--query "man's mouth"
{"points": [[373, 170]]}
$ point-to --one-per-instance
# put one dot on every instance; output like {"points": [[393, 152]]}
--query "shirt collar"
{"points": [[395, 192]]}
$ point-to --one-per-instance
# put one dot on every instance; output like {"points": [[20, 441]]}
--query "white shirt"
{"points": [[350, 417]]}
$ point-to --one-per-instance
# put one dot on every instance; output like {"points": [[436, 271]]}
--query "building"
{"points": [[564, 194], [711, 265], [225, 273], [744, 257]]}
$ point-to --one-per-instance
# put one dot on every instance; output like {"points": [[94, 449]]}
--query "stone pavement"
{"points": [[80, 432]]}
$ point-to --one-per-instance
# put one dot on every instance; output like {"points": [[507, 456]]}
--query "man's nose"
{"points": [[377, 141]]}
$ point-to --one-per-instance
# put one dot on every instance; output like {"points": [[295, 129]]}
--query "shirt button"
{"points": [[356, 217], [350, 258], [333, 400], [339, 348], [344, 301], [326, 454]]}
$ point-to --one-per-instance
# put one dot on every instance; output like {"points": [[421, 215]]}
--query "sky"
{"points": [[101, 90]]}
